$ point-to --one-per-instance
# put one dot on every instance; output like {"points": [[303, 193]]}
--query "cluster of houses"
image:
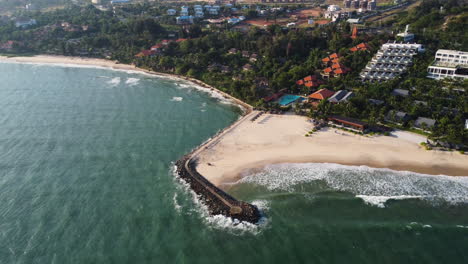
{"points": [[158, 48], [390, 61], [253, 57], [361, 5], [198, 12], [400, 118], [333, 67]]}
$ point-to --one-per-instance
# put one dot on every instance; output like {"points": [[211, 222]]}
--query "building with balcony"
{"points": [[391, 61], [449, 64]]}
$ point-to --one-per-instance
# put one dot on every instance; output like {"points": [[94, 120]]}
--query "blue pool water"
{"points": [[289, 98]]}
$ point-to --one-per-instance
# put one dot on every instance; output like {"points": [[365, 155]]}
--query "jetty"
{"points": [[218, 201]]}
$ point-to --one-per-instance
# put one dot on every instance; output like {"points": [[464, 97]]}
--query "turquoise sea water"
{"points": [[86, 176]]}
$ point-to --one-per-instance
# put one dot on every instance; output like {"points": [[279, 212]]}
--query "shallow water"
{"points": [[86, 176]]}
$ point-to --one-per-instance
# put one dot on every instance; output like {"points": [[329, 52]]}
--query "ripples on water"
{"points": [[86, 177]]}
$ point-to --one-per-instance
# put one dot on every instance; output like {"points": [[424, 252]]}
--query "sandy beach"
{"points": [[280, 139], [271, 139]]}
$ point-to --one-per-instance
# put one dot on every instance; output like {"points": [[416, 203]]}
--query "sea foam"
{"points": [[132, 81], [114, 81], [373, 186], [177, 99]]}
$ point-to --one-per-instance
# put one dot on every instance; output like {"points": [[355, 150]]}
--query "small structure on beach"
{"points": [[349, 123]]}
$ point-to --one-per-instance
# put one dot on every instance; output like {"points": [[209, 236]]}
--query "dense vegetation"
{"points": [[284, 56]]}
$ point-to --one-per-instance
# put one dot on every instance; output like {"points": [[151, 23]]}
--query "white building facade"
{"points": [[449, 64], [390, 61]]}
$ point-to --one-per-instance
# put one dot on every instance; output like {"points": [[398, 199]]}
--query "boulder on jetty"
{"points": [[217, 201]]}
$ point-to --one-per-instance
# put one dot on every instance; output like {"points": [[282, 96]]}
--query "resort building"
{"points": [[397, 117], [390, 61], [424, 123], [181, 20], [336, 70], [310, 81], [406, 35], [341, 96], [247, 67], [359, 47], [171, 12], [199, 14], [348, 123], [449, 64], [400, 92], [320, 95]]}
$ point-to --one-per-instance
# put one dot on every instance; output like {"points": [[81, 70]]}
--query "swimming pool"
{"points": [[289, 98]]}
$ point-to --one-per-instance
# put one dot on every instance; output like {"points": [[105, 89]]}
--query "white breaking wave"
{"points": [[380, 201], [374, 186], [114, 81], [181, 82], [132, 81], [177, 99]]}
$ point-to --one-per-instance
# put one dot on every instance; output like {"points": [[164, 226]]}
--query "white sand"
{"points": [[280, 139]]}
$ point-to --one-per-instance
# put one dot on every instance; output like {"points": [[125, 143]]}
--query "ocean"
{"points": [[87, 176]]}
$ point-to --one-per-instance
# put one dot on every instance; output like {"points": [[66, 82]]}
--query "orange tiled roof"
{"points": [[334, 56], [337, 65], [300, 82], [321, 94], [328, 70], [326, 59]]}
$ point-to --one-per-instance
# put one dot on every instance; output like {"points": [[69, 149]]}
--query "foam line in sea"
{"points": [[374, 186]]}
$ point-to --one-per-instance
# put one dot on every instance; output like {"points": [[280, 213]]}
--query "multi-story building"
{"points": [[390, 61], [449, 64]]}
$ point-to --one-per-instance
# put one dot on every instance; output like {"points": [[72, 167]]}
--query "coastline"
{"points": [[245, 146], [114, 65], [275, 139]]}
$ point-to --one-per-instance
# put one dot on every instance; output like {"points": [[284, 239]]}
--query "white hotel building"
{"points": [[449, 63], [391, 61]]}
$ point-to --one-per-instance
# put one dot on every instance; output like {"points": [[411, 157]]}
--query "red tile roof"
{"points": [[300, 82], [337, 65], [328, 70], [334, 56], [321, 94], [313, 83]]}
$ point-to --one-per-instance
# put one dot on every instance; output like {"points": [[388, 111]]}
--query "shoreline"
{"points": [[279, 139], [114, 65], [259, 151]]}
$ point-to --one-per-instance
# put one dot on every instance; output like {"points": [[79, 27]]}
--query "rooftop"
{"points": [[321, 94]]}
